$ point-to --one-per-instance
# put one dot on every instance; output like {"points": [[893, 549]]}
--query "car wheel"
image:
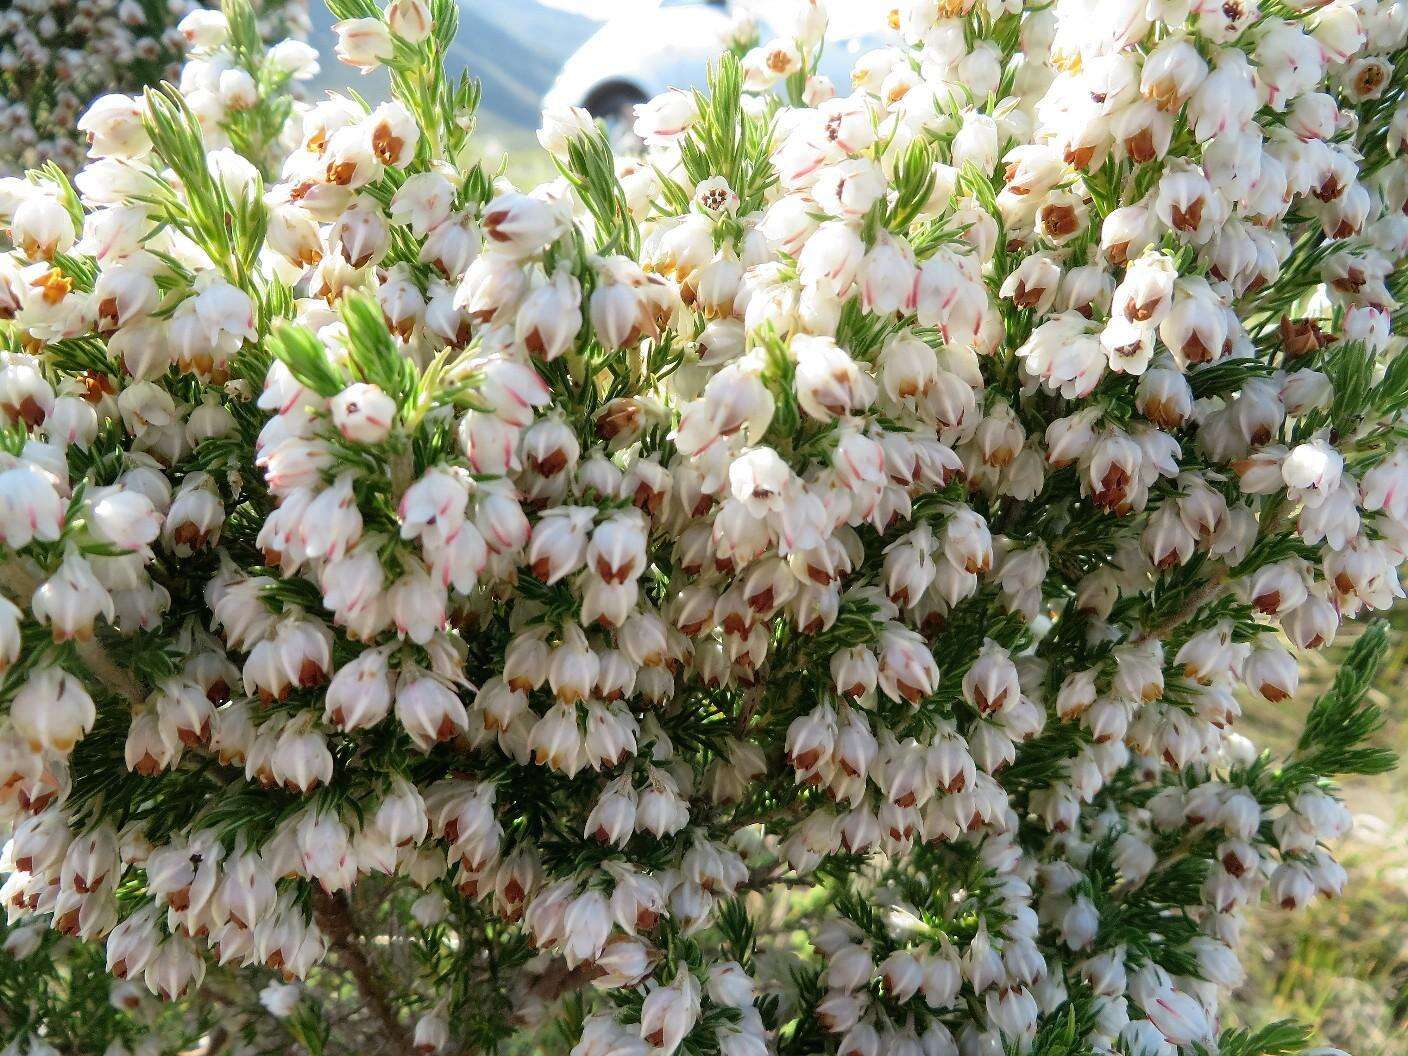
{"points": [[615, 108]]}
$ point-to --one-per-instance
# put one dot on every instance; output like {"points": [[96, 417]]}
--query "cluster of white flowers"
{"points": [[886, 495], [57, 56]]}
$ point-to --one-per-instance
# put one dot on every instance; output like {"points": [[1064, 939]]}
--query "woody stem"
{"points": [[1202, 596], [335, 918]]}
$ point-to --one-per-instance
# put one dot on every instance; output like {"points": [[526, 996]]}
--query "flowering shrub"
{"points": [[57, 56], [785, 592]]}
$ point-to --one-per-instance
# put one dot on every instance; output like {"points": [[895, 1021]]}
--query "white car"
{"points": [[658, 44]]}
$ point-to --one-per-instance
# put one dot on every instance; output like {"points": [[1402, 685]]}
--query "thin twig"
{"points": [[763, 879], [335, 918], [1201, 597]]}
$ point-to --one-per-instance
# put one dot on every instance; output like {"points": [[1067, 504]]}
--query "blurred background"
{"points": [[516, 48], [604, 55]]}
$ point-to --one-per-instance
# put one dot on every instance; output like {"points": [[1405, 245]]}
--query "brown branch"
{"points": [[334, 916], [1201, 597], [763, 879]]}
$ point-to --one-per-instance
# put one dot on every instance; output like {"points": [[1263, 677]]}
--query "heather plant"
{"points": [[788, 590], [58, 56]]}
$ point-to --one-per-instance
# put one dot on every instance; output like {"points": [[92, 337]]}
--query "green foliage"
{"points": [[51, 173], [1342, 719], [230, 231], [913, 185], [1065, 1030], [254, 131], [1276, 1039], [591, 170], [726, 141], [299, 349], [445, 108], [62, 992], [372, 351]]}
